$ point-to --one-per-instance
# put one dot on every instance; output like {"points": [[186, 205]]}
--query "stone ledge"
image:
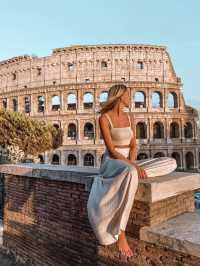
{"points": [[76, 174], [151, 190], [162, 187], [181, 233]]}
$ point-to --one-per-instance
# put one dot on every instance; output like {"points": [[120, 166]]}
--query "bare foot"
{"points": [[123, 245]]}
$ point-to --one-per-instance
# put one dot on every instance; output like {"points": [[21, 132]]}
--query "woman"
{"points": [[112, 192]]}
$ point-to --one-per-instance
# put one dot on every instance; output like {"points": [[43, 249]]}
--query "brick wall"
{"points": [[46, 223]]}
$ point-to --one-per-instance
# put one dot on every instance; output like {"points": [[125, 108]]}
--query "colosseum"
{"points": [[69, 86]]}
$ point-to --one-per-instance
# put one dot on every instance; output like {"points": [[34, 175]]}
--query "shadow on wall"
{"points": [[47, 221]]}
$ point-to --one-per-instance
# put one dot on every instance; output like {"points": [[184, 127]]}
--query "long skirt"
{"points": [[113, 191]]}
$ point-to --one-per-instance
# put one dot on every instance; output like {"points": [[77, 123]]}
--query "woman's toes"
{"points": [[130, 253]]}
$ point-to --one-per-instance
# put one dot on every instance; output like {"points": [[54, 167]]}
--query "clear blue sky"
{"points": [[37, 27]]}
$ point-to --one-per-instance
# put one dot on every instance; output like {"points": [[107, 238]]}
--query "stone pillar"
{"points": [[182, 129]]}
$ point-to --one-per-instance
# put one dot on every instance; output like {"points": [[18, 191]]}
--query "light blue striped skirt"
{"points": [[159, 166], [113, 191]]}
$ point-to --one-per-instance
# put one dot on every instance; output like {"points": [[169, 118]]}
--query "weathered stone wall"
{"points": [[122, 62], [94, 69]]}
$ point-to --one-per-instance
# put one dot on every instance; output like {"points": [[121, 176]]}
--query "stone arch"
{"points": [[15, 104], [158, 130], [177, 157], [104, 64], [71, 131], [71, 159], [174, 130], [189, 160], [88, 159], [188, 131], [141, 156], [5, 103], [159, 154], [157, 99], [88, 100], [141, 130], [41, 158], [56, 125], [172, 100], [41, 103], [140, 99], [71, 101], [55, 159], [103, 97], [55, 102], [27, 104], [89, 130]]}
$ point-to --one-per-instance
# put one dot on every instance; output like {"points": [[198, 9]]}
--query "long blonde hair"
{"points": [[114, 94]]}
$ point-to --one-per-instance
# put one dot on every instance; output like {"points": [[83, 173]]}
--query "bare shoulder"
{"points": [[102, 117]]}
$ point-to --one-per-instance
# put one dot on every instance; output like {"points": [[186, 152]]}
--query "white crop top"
{"points": [[120, 135]]}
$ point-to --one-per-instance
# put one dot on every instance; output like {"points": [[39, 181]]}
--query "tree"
{"points": [[28, 135]]}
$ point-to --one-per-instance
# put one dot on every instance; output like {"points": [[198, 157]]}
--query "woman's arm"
{"points": [[133, 145]]}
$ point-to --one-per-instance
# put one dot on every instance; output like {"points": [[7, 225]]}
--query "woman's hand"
{"points": [[141, 172]]}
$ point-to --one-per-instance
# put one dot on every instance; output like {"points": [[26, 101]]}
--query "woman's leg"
{"points": [[158, 166], [132, 188], [123, 245]]}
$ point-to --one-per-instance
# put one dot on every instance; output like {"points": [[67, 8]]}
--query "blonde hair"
{"points": [[114, 94]]}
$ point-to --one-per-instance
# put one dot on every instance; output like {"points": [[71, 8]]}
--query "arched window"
{"points": [[88, 100], [140, 64], [158, 130], [89, 130], [174, 130], [159, 154], [56, 126], [104, 64], [140, 99], [41, 103], [41, 158], [71, 133], [177, 157], [88, 159], [189, 160], [141, 130], [172, 100], [103, 97], [157, 99], [55, 103], [27, 104], [55, 159], [188, 132], [71, 159], [15, 105], [71, 101], [5, 103]]}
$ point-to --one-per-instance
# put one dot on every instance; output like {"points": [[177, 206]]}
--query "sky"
{"points": [[38, 27]]}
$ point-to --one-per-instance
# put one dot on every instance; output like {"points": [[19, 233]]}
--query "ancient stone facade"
{"points": [[68, 87]]}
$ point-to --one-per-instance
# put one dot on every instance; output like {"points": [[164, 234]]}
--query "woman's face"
{"points": [[126, 99]]}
